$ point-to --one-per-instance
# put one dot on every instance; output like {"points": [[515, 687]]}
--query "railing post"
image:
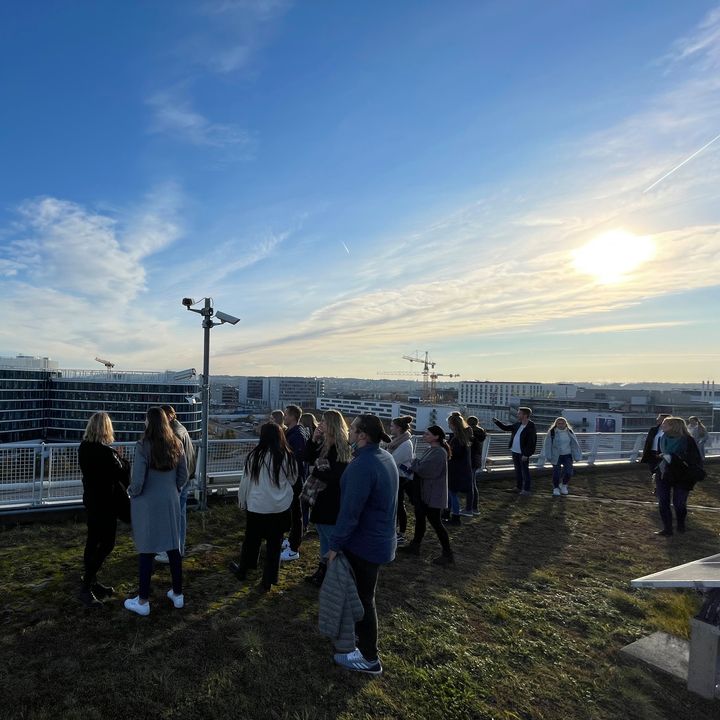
{"points": [[38, 486], [592, 455]]}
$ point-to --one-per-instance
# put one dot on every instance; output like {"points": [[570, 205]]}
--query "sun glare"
{"points": [[613, 255]]}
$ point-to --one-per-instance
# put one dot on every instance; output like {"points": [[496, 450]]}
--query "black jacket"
{"points": [[327, 504], [648, 455], [101, 468], [528, 439], [459, 467]]}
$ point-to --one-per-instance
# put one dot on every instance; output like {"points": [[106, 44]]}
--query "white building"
{"points": [[28, 362], [489, 394], [279, 392]]}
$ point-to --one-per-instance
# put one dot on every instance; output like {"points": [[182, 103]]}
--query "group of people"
{"points": [[351, 483], [151, 494]]}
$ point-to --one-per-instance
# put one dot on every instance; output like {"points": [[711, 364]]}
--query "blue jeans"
{"points": [[563, 467], [522, 472], [324, 532], [183, 516], [454, 503]]}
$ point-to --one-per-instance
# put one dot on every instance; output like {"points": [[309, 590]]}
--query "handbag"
{"points": [[311, 489]]}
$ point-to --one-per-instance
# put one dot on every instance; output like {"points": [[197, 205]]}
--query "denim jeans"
{"points": [[324, 532], [522, 472], [454, 503], [563, 468], [664, 491]]}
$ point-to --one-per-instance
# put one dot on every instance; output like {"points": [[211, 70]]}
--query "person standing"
{"points": [[266, 492], [329, 451], [698, 432], [523, 443], [460, 476], [365, 532], [401, 448], [679, 467], [102, 469], [159, 474], [476, 449], [651, 450], [183, 435], [297, 436], [561, 447], [431, 473]]}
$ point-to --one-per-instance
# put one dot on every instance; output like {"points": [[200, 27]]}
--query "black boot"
{"points": [[87, 598], [101, 591], [455, 520], [318, 576], [447, 558]]}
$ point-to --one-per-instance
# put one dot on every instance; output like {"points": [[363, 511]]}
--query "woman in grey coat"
{"points": [[431, 493], [158, 475]]}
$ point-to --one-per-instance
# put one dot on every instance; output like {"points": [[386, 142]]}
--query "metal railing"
{"points": [[43, 475]]}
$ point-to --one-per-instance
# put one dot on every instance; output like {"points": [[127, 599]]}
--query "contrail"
{"points": [[677, 167], [347, 249]]}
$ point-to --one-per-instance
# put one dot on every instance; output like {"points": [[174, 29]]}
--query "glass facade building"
{"points": [[55, 405]]}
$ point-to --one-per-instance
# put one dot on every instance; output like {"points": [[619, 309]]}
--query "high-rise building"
{"points": [[54, 404], [278, 392]]}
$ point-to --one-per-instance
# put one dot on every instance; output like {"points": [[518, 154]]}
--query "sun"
{"points": [[612, 256]]}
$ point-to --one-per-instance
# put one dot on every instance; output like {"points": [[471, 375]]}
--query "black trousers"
{"points": [[296, 518], [402, 518], [366, 576], [101, 531], [423, 512], [269, 527]]}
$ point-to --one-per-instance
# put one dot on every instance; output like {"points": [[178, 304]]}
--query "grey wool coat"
{"points": [[432, 468], [340, 606], [155, 503]]}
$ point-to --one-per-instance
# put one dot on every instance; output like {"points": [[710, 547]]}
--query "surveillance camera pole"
{"points": [[207, 312], [207, 323]]}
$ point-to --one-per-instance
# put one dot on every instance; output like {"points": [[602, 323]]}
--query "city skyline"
{"points": [[528, 192]]}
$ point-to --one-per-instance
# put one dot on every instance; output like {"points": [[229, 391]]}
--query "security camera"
{"points": [[188, 302], [224, 317]]}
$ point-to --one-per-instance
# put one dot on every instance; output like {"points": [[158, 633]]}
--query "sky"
{"points": [[514, 187]]}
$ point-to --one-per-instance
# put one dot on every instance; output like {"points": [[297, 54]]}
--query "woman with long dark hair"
{"points": [[266, 491], [102, 470], [159, 473], [431, 493]]}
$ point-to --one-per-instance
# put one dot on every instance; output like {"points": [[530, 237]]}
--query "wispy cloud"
{"points": [[624, 327], [174, 115]]}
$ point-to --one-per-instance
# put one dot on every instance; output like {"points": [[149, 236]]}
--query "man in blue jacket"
{"points": [[523, 443], [365, 531]]}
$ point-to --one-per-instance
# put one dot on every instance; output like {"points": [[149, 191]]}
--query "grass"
{"points": [[527, 625]]}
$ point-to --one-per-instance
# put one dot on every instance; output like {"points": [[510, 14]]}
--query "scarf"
{"points": [[398, 441]]}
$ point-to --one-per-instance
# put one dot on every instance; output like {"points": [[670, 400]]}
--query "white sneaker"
{"points": [[556, 492], [177, 600], [285, 544], [134, 605], [162, 557], [564, 489], [287, 554]]}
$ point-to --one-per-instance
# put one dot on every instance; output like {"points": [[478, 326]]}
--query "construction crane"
{"points": [[109, 365], [428, 365]]}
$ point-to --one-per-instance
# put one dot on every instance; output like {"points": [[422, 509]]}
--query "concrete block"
{"points": [[663, 652]]}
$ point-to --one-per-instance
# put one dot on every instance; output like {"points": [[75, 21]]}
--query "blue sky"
{"points": [[358, 181]]}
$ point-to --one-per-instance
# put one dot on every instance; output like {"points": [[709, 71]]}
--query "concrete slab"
{"points": [[663, 652]]}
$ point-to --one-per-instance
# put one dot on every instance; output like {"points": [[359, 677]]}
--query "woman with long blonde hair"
{"points": [[561, 448], [158, 476], [102, 469], [460, 475], [329, 449], [679, 469]]}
